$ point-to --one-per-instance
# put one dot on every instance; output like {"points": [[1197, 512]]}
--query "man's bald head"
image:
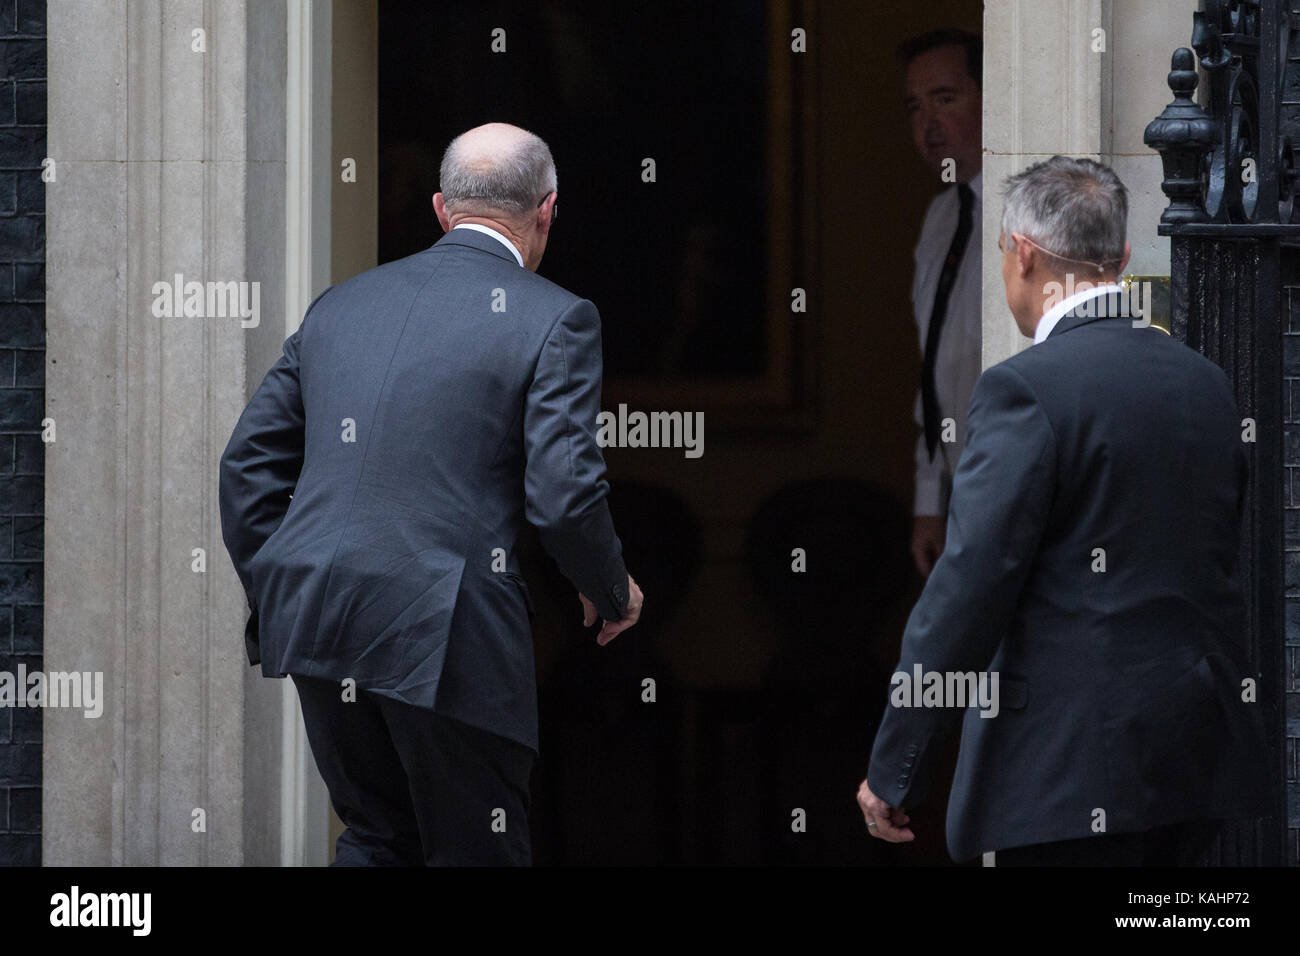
{"points": [[496, 170]]}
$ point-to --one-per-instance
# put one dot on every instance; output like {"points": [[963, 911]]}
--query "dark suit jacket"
{"points": [[1120, 690], [466, 420]]}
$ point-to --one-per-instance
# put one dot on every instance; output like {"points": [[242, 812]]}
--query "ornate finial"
{"points": [[1182, 73], [1183, 134]]}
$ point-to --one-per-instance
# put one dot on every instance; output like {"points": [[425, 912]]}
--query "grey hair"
{"points": [[1076, 209], [511, 182]]}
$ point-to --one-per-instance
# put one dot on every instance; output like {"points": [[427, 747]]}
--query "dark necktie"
{"points": [[929, 396]]}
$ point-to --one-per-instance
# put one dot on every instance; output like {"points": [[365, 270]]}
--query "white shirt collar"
{"points": [[489, 231], [1062, 309]]}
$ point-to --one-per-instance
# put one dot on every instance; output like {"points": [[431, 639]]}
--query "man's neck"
{"points": [[1054, 308], [498, 227]]}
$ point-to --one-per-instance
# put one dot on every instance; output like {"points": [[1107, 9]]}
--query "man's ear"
{"points": [[544, 215], [440, 210], [1025, 259], [1128, 254]]}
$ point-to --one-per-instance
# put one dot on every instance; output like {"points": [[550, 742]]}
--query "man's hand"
{"points": [[613, 628], [883, 821], [928, 533]]}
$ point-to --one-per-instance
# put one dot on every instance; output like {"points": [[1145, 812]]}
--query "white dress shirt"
{"points": [[957, 364], [1059, 311], [489, 231]]}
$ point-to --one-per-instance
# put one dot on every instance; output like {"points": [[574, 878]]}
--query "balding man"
{"points": [[423, 410], [1085, 619]]}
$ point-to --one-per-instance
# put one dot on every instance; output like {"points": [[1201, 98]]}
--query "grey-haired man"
{"points": [[1090, 567]]}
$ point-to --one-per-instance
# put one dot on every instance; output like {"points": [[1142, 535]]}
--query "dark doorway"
{"points": [[768, 162]]}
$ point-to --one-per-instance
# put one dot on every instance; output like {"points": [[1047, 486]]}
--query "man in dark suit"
{"points": [[371, 495], [1090, 567]]}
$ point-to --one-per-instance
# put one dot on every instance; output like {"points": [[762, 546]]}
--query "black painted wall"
{"points": [[22, 403]]}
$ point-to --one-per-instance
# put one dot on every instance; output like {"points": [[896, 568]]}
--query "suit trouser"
{"points": [[1176, 844], [414, 787]]}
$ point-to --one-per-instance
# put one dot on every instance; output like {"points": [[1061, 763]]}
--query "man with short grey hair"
{"points": [[371, 497], [1089, 578], [1084, 206]]}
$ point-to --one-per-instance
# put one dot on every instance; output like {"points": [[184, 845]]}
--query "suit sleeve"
{"points": [[260, 468], [1001, 499], [564, 480]]}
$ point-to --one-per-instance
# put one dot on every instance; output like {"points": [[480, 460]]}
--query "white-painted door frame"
{"points": [[304, 801]]}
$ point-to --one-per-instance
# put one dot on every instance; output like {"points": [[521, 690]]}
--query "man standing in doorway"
{"points": [[944, 103]]}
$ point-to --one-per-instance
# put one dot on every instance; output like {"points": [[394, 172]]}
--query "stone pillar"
{"points": [[169, 145], [1047, 90]]}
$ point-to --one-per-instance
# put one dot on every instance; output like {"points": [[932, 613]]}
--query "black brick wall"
{"points": [[22, 405], [1291, 498]]}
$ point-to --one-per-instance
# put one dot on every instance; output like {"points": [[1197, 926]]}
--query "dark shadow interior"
{"points": [[768, 684]]}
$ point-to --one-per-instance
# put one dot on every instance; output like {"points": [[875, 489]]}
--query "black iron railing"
{"points": [[1230, 175]]}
